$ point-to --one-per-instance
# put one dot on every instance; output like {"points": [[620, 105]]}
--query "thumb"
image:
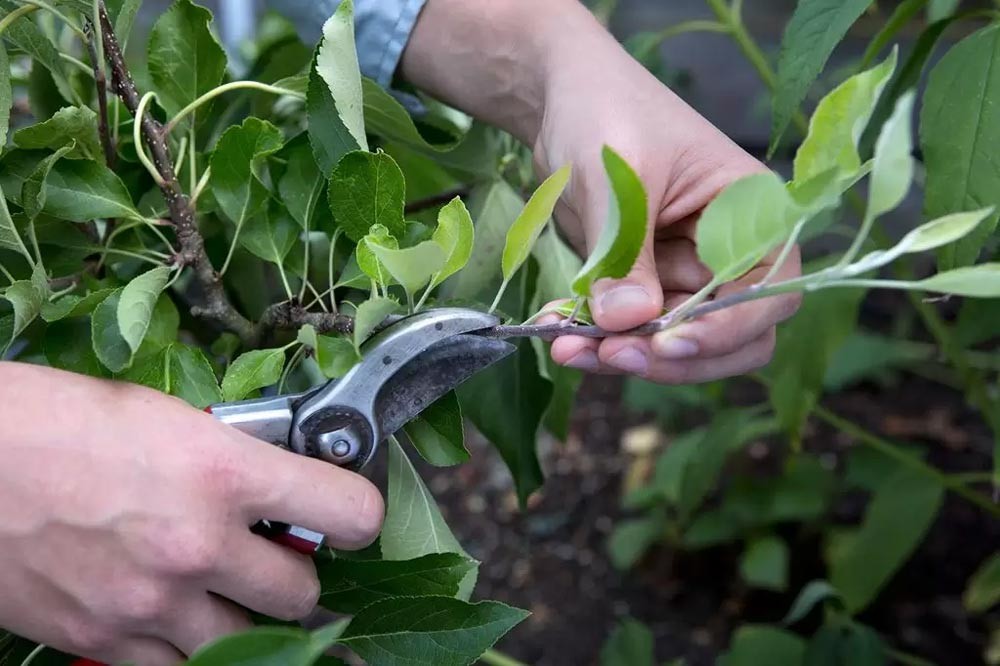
{"points": [[618, 305]]}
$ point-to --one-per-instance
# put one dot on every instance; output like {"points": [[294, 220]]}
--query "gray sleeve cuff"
{"points": [[381, 28]]}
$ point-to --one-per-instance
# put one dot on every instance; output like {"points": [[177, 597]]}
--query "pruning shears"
{"points": [[404, 368]]}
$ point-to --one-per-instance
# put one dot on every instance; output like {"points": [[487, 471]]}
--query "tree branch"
{"points": [[217, 306], [102, 95]]}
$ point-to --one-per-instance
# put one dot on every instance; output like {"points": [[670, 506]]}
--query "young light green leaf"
{"points": [[71, 124], [743, 223], [524, 232], [367, 189], [301, 185], [236, 168], [981, 281], [944, 230], [10, 239], [884, 542], [442, 630], [111, 348], [437, 434], [959, 128], [836, 127], [334, 355], [622, 237], [816, 27], [350, 585], [630, 644], [83, 190], [813, 593], [983, 590], [455, 234], [185, 59], [412, 267], [6, 96], [135, 307], [337, 64], [367, 261], [764, 564], [892, 169], [369, 315], [251, 371]]}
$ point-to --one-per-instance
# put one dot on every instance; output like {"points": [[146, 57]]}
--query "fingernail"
{"points": [[548, 319], [670, 346], [630, 360], [584, 360], [623, 298]]}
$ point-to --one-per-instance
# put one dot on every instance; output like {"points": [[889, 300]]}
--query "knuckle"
{"points": [[144, 601], [187, 551], [302, 601], [87, 637]]}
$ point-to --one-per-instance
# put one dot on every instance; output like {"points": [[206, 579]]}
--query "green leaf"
{"points": [[84, 190], [328, 136], [523, 234], [70, 124], [982, 281], [516, 384], [367, 189], [885, 541], [764, 564], [269, 646], [412, 267], [983, 589], [73, 306], [892, 170], [455, 234], [959, 125], [251, 371], [334, 355], [813, 593], [351, 585], [632, 538], [25, 34], [125, 19], [369, 315], [6, 95], [236, 168], [67, 346], [630, 644], [803, 352], [185, 59], [941, 9], [743, 223], [109, 345], [301, 185], [270, 234], [135, 306], [385, 117], [27, 298], [753, 645], [845, 644], [437, 433], [441, 630], [815, 29], [901, 16], [944, 230], [622, 237], [367, 261], [192, 377], [33, 190], [337, 64], [9, 238], [836, 127], [413, 524]]}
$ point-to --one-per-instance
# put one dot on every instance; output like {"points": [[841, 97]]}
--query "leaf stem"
{"points": [[58, 14], [6, 274], [785, 250], [497, 658], [329, 261], [23, 10], [137, 137], [496, 301], [226, 87], [200, 185], [890, 450]]}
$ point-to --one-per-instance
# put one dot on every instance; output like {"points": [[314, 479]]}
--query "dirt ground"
{"points": [[552, 559]]}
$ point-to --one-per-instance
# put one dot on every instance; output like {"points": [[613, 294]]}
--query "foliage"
{"points": [[218, 251]]}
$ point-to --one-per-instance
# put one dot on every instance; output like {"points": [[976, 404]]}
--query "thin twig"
{"points": [[101, 82]]}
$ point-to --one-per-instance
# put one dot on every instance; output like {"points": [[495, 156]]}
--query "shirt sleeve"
{"points": [[381, 29]]}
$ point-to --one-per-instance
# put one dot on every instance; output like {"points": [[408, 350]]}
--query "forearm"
{"points": [[498, 61]]}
